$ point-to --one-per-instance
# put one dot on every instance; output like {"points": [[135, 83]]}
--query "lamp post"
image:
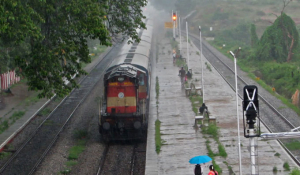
{"points": [[187, 45], [237, 112], [176, 25], [201, 65], [179, 37]]}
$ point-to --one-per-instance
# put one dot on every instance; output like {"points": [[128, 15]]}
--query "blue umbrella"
{"points": [[200, 159]]}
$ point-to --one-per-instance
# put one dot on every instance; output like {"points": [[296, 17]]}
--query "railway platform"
{"points": [[181, 141], [24, 101]]}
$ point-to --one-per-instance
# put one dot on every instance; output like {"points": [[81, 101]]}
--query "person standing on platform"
{"points": [[197, 170], [212, 171], [182, 76]]}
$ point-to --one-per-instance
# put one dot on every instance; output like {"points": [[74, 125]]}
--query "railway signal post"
{"points": [[251, 122]]}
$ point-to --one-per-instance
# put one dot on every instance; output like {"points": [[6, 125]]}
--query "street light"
{"points": [[187, 45], [237, 111], [201, 66]]}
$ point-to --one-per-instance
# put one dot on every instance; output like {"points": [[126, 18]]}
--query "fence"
{"points": [[7, 79]]}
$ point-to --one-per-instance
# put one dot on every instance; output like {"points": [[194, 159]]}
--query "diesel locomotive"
{"points": [[125, 103]]}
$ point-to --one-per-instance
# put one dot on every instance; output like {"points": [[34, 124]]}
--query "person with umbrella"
{"points": [[198, 160], [198, 170]]}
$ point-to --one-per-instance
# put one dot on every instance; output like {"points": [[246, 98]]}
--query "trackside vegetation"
{"points": [[81, 137], [158, 140]]}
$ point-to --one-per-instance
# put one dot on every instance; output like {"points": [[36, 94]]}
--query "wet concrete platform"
{"points": [[182, 141]]}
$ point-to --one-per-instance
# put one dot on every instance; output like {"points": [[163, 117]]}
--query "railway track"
{"points": [[270, 116], [120, 158], [29, 155]]}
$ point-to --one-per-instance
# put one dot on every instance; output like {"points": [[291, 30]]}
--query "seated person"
{"points": [[202, 108]]}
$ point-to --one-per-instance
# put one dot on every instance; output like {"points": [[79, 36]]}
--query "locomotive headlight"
{"points": [[137, 124], [120, 79], [106, 126]]}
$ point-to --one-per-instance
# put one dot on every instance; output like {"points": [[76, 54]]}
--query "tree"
{"points": [[57, 33], [124, 17], [279, 40], [254, 37]]}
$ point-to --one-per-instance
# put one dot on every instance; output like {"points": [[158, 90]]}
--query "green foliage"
{"points": [[295, 171], [222, 151], [5, 123], [220, 15], [4, 155], [158, 141], [157, 87], [71, 163], [276, 40], [75, 151], [286, 166], [211, 129], [196, 101], [45, 111], [48, 40], [238, 34], [293, 145], [284, 77], [80, 134], [275, 169], [254, 37], [277, 154]]}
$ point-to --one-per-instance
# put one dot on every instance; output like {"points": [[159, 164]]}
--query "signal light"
{"points": [[174, 17]]}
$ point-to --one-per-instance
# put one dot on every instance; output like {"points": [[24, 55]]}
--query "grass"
{"points": [[6, 123], [286, 166], [295, 171], [196, 101], [157, 50], [208, 66], [181, 63], [81, 137], [4, 155], [31, 100], [75, 151], [293, 145], [212, 131], [277, 154], [158, 141], [157, 87], [45, 111]]}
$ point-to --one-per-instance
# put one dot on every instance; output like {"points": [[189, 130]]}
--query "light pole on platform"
{"points": [[237, 111], [187, 45], [179, 37], [201, 65]]}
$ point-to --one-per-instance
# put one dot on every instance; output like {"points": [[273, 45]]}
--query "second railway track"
{"points": [[271, 117], [30, 154]]}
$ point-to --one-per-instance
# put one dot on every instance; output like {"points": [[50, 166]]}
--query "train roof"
{"points": [[136, 54], [125, 69]]}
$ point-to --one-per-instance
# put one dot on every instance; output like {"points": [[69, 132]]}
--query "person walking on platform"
{"points": [[212, 171], [174, 58], [197, 170], [182, 76]]}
